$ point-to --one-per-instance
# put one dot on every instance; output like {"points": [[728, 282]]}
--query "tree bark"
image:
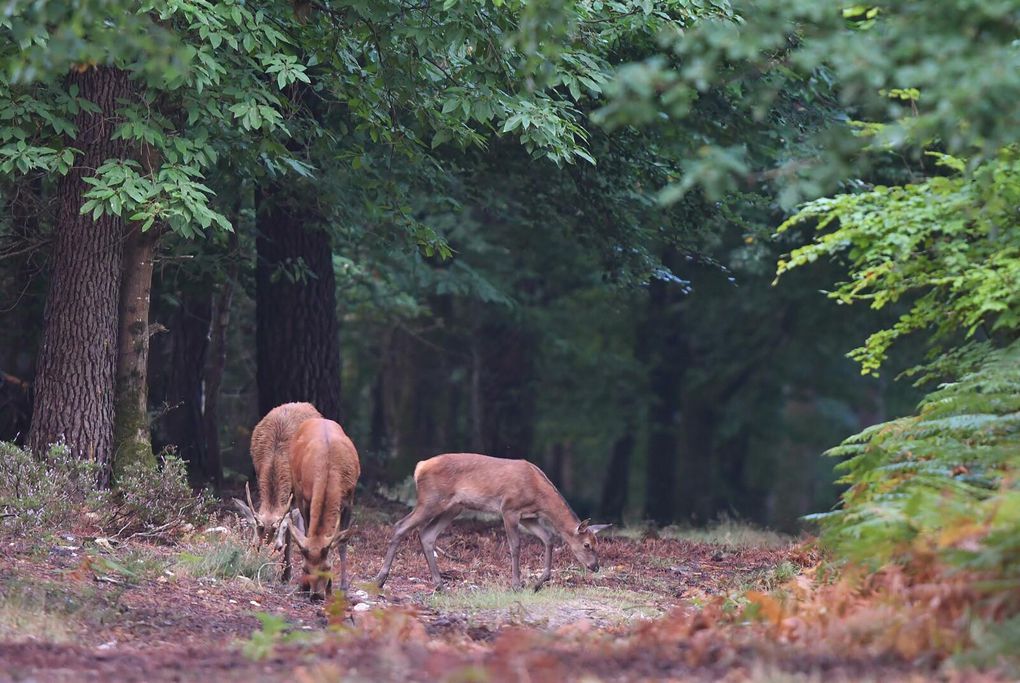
{"points": [[617, 481], [20, 312], [216, 362], [76, 369], [297, 334], [698, 486], [189, 339], [132, 439], [663, 348]]}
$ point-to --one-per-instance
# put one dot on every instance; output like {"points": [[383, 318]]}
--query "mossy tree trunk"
{"points": [[132, 437]]}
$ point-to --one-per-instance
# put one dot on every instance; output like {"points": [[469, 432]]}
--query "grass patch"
{"points": [[226, 558], [550, 605], [45, 611], [131, 566], [725, 533], [774, 578], [27, 617]]}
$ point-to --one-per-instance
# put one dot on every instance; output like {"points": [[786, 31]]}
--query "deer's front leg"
{"points": [[513, 537], [535, 528], [547, 572]]}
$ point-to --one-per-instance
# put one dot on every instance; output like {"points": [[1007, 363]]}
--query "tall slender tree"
{"points": [[76, 370]]}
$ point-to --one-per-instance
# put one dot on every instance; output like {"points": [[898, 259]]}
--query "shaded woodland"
{"points": [[670, 251]]}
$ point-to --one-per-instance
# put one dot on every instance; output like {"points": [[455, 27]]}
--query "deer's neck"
{"points": [[557, 513]]}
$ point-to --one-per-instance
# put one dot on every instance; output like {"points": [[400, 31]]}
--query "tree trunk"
{"points": [[297, 334], [76, 370], [131, 438], [662, 347], [560, 467], [697, 485], [617, 481], [188, 338], [477, 409], [216, 363], [19, 312]]}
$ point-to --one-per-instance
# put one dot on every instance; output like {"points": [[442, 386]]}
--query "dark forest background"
{"points": [[449, 228]]}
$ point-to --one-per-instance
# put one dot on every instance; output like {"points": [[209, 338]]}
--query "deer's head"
{"points": [[584, 544], [266, 524], [316, 577]]}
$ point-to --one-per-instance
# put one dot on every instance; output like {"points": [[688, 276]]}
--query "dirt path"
{"points": [[72, 612]]}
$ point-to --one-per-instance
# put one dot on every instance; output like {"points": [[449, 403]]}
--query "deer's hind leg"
{"points": [[428, 534]]}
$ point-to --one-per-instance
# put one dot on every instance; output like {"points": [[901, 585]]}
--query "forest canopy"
{"points": [[671, 251], [534, 229]]}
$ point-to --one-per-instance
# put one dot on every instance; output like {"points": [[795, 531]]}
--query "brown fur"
{"points": [[515, 489], [325, 468], [270, 442]]}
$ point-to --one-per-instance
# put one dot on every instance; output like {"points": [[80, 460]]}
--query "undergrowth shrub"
{"points": [[46, 492], [153, 503], [941, 486], [58, 491]]}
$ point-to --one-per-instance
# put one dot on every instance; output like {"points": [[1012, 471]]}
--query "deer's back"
{"points": [[325, 469], [481, 482], [273, 433]]}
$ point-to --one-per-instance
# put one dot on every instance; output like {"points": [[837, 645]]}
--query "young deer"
{"points": [[515, 489], [325, 467], [270, 444]]}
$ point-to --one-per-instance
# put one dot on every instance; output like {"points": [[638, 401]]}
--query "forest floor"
{"points": [[663, 607]]}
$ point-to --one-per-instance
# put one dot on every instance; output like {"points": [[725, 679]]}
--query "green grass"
{"points": [[552, 603], [133, 566], [42, 610], [725, 533], [29, 617], [226, 558]]}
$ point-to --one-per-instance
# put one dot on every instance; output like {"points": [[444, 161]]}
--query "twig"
{"points": [[154, 532]]}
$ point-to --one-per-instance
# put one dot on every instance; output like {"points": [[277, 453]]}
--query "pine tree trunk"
{"points": [[662, 347], [697, 487], [76, 370], [617, 481], [297, 335], [183, 424], [507, 366], [215, 365], [18, 319], [132, 439]]}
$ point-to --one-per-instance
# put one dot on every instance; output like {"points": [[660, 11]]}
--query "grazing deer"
{"points": [[270, 443], [325, 468], [515, 489]]}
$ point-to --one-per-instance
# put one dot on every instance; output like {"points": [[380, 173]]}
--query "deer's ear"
{"points": [[595, 528], [582, 527]]}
